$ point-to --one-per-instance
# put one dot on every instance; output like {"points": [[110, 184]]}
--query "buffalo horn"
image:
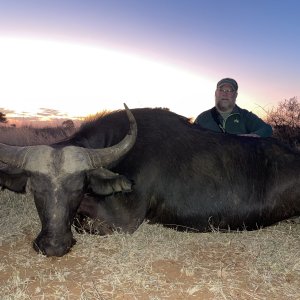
{"points": [[106, 156], [14, 156]]}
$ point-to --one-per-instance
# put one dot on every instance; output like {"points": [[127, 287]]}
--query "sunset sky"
{"points": [[75, 58]]}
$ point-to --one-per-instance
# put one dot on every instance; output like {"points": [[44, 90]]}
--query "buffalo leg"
{"points": [[104, 215]]}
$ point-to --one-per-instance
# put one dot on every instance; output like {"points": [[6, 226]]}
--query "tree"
{"points": [[68, 124], [285, 120], [3, 118]]}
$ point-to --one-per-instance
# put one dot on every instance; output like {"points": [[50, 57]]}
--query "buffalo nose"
{"points": [[50, 247]]}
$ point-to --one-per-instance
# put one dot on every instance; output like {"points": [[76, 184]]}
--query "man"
{"points": [[227, 117]]}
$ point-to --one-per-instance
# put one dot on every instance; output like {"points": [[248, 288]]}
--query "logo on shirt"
{"points": [[236, 121]]}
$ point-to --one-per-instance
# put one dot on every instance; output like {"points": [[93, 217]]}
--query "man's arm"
{"points": [[257, 127]]}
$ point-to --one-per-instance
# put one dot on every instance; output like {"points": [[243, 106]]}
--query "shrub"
{"points": [[285, 120]]}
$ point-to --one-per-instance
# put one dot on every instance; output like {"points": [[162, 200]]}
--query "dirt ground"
{"points": [[153, 263]]}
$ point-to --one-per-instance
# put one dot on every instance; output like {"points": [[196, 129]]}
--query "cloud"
{"points": [[7, 111], [48, 112], [44, 117]]}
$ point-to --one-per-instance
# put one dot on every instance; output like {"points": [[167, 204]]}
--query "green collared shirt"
{"points": [[239, 121]]}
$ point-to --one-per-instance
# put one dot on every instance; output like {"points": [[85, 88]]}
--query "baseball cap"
{"points": [[230, 81]]}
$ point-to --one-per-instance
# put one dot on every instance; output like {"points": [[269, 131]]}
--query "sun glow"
{"points": [[81, 80]]}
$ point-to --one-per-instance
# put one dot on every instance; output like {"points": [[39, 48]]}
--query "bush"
{"points": [[285, 120]]}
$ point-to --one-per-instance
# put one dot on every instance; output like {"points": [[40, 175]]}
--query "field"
{"points": [[153, 263]]}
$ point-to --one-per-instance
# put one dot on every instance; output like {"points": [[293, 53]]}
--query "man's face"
{"points": [[225, 97]]}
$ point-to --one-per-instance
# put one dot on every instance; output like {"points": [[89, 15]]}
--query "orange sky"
{"points": [[44, 78], [73, 58]]}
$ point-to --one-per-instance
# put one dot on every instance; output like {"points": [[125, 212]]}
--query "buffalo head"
{"points": [[58, 177]]}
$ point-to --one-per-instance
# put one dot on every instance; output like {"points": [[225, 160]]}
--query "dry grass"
{"points": [[153, 263], [23, 136]]}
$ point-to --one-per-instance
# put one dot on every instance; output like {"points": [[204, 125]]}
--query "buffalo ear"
{"points": [[13, 179], [104, 182]]}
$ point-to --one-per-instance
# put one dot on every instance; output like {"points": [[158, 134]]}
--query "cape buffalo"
{"points": [[58, 176], [183, 176]]}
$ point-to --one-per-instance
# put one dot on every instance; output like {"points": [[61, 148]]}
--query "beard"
{"points": [[225, 105]]}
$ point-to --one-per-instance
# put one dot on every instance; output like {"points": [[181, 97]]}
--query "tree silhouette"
{"points": [[3, 118], [285, 120], [68, 124]]}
